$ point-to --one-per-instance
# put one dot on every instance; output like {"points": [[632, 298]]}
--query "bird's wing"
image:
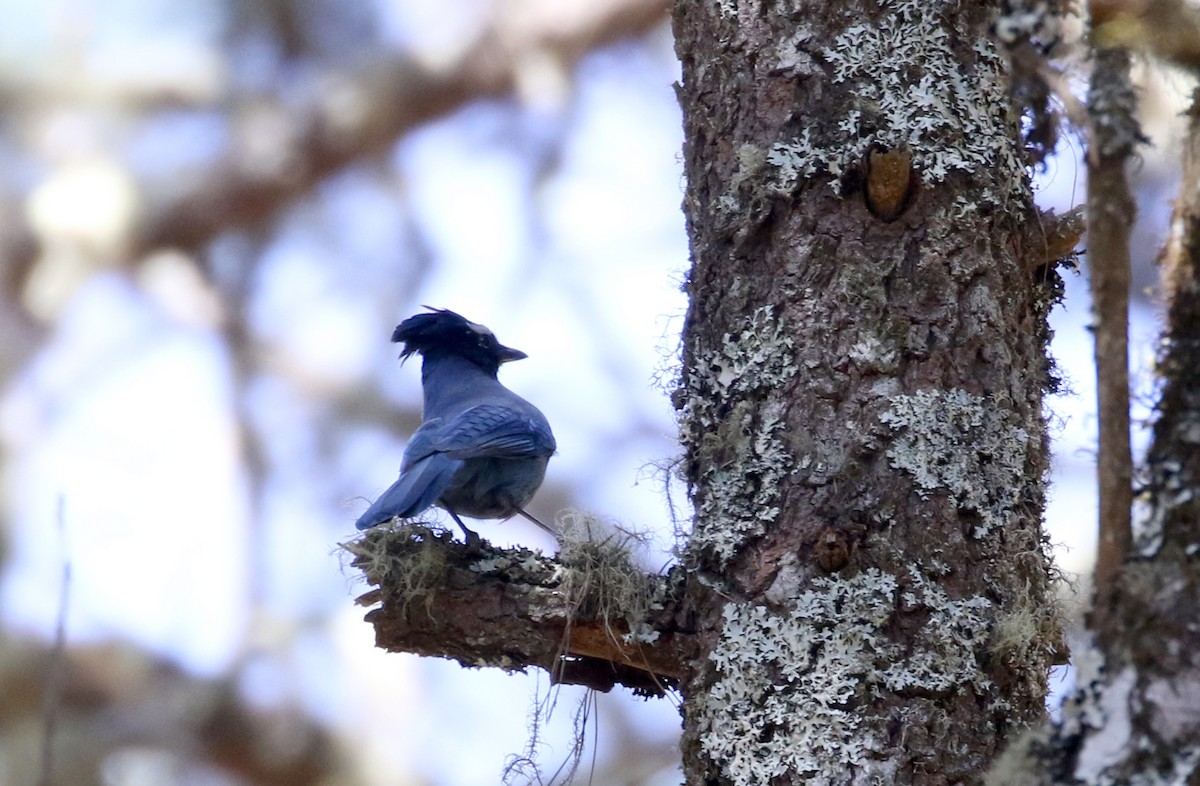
{"points": [[422, 444], [491, 431], [418, 487], [439, 447]]}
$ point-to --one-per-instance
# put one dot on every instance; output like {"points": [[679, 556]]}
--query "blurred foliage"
{"points": [[229, 186]]}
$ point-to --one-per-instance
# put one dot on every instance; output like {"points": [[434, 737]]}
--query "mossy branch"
{"points": [[587, 618]]}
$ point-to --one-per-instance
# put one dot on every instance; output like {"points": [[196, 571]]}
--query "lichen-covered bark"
{"points": [[861, 400], [588, 617], [1155, 628]]}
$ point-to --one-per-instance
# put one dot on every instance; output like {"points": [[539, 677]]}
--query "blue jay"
{"points": [[481, 450]]}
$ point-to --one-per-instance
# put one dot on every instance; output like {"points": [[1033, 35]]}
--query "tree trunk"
{"points": [[861, 400]]}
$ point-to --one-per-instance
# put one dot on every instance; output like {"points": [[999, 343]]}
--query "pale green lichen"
{"points": [[742, 494], [790, 688], [750, 162], [953, 637], [954, 441], [912, 89], [758, 356], [785, 681], [1110, 730], [600, 579], [734, 415]]}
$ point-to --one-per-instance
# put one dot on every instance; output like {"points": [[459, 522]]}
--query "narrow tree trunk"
{"points": [[1152, 638], [861, 401], [1134, 717], [1112, 107]]}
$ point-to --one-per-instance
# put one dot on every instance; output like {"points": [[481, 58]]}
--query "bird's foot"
{"points": [[473, 541]]}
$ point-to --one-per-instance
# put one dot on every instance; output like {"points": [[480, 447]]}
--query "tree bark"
{"points": [[861, 401], [1111, 213], [588, 617]]}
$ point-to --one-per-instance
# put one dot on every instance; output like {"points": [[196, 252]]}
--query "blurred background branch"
{"points": [[211, 216]]}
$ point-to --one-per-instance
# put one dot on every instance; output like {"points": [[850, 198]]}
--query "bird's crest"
{"points": [[440, 331]]}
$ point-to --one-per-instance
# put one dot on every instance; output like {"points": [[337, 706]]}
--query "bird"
{"points": [[481, 450]]}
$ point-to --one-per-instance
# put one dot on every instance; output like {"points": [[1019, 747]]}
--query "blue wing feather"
{"points": [[417, 488], [492, 431], [440, 448]]}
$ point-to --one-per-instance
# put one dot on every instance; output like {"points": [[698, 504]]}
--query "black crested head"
{"points": [[442, 333]]}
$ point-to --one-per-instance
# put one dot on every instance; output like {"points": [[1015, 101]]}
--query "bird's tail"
{"points": [[417, 489]]}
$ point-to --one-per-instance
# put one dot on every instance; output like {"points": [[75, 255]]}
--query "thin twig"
{"points": [[52, 699]]}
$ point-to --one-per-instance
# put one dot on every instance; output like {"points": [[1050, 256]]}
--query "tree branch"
{"points": [[1111, 212], [1169, 29], [1136, 719], [357, 114], [283, 146], [515, 608], [1173, 463]]}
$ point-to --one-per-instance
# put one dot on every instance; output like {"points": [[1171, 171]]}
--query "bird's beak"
{"points": [[508, 354]]}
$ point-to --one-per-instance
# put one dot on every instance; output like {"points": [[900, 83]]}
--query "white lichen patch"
{"points": [[1168, 488], [734, 413], [797, 159], [949, 643], [1175, 703], [785, 682], [912, 89], [789, 685], [1082, 709], [742, 495], [524, 565], [961, 443], [1108, 740], [760, 355], [1099, 715], [640, 633], [493, 564], [1034, 21], [1183, 767]]}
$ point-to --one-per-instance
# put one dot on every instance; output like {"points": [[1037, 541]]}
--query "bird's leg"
{"points": [[473, 539], [540, 524]]}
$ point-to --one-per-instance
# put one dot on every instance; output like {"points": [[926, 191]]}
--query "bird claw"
{"points": [[473, 541]]}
